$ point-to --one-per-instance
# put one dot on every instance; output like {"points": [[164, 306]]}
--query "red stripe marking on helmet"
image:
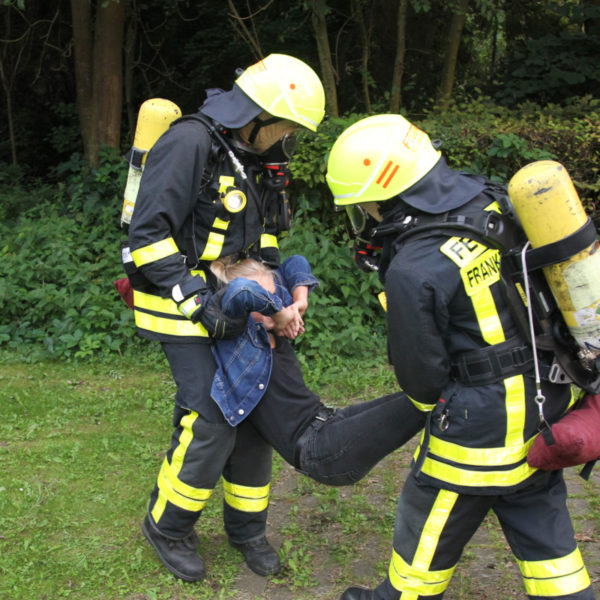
{"points": [[389, 164], [391, 176]]}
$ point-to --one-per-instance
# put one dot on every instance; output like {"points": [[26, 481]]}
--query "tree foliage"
{"points": [[499, 82], [537, 51], [60, 243]]}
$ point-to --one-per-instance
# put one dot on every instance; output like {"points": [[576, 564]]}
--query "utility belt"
{"points": [[494, 363], [318, 421]]}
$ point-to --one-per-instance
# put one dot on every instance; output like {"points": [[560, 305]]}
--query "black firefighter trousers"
{"points": [[335, 447]]}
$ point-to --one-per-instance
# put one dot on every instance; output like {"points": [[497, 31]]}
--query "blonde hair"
{"points": [[226, 270]]}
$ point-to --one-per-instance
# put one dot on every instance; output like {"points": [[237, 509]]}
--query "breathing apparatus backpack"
{"points": [[550, 277], [549, 268], [154, 118], [563, 244]]}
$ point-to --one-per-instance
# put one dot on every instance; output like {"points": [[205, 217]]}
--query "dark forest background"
{"points": [[69, 68], [500, 82]]}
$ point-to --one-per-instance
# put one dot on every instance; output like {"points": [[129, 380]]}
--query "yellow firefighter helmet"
{"points": [[285, 87], [377, 158]]}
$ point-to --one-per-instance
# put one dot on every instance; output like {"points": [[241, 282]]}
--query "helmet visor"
{"points": [[281, 151], [358, 218]]}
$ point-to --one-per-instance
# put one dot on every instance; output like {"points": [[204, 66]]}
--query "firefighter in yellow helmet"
{"points": [[213, 186], [459, 356]]}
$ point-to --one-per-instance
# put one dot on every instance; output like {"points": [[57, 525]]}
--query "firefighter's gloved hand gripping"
{"points": [[196, 302]]}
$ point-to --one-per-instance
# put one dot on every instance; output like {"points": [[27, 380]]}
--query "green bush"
{"points": [[58, 261], [344, 318], [60, 249]]}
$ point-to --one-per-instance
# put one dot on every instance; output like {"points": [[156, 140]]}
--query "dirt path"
{"points": [[333, 538]]}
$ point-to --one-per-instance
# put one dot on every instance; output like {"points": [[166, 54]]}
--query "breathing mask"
{"points": [[367, 255]]}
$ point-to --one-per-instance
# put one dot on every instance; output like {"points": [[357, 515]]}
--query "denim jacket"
{"points": [[244, 364]]}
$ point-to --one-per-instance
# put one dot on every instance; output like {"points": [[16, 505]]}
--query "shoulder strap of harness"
{"points": [[503, 232]]}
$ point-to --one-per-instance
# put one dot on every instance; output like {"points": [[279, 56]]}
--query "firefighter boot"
{"points": [[355, 593], [384, 591], [260, 556], [178, 555]]}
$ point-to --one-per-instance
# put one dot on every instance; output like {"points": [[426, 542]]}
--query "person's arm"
{"points": [[300, 297], [245, 295], [297, 277], [417, 318]]}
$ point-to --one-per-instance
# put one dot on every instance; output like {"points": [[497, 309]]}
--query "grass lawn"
{"points": [[80, 447]]}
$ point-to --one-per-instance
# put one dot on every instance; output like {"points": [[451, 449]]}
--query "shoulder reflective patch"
{"points": [[462, 250], [481, 272]]}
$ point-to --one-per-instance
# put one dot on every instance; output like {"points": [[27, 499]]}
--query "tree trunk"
{"points": [[319, 10], [128, 63], [592, 26], [7, 77], [7, 87], [98, 73], [81, 17], [398, 73], [108, 70], [365, 34], [454, 35]]}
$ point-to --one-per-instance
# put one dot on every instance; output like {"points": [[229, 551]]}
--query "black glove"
{"points": [[270, 256], [217, 323], [192, 307]]}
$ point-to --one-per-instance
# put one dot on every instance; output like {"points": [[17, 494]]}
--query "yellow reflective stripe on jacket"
{"points": [[154, 252], [169, 321], [268, 241], [245, 498], [461, 476], [170, 488], [155, 303], [479, 457], [555, 577], [182, 327], [220, 224], [214, 246], [417, 580], [488, 317], [215, 241]]}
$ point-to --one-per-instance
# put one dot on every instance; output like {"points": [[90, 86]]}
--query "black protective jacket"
{"points": [[445, 301], [180, 224]]}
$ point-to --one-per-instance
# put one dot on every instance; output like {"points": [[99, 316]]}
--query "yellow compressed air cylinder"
{"points": [[154, 117], [549, 209]]}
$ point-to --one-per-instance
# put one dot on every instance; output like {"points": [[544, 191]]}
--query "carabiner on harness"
{"points": [[539, 399]]}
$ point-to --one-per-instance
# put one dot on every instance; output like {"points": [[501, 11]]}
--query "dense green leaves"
{"points": [[60, 248]]}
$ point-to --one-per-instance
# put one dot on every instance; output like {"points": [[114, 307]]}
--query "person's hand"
{"points": [[293, 330], [288, 322], [217, 323], [268, 322]]}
